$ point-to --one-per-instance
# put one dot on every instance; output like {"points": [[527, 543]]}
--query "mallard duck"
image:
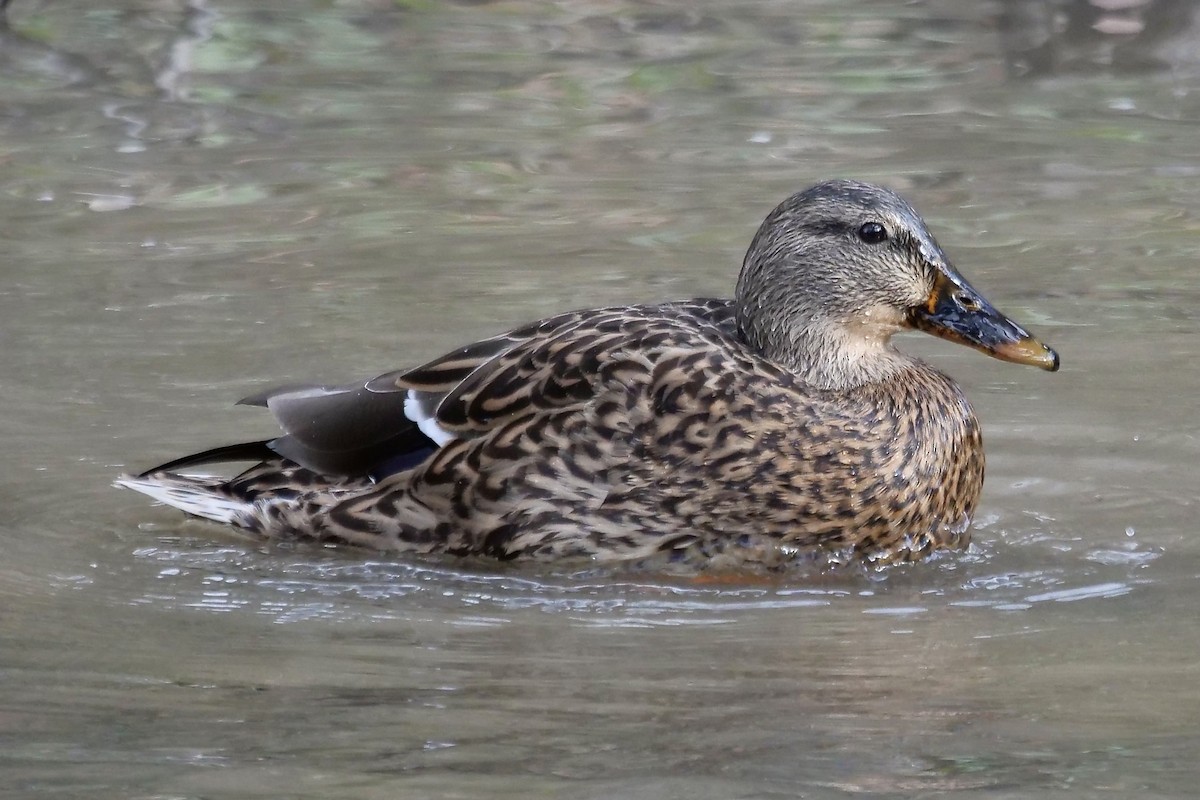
{"points": [[780, 425]]}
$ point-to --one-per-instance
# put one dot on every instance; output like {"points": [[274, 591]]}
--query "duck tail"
{"points": [[198, 495]]}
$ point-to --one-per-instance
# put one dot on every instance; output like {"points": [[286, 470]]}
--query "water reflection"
{"points": [[1047, 37], [298, 588]]}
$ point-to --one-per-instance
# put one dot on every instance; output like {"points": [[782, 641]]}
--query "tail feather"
{"points": [[198, 495], [245, 451]]}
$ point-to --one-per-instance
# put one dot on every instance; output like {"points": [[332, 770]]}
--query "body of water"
{"points": [[200, 199]]}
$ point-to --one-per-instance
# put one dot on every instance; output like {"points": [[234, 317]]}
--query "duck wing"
{"points": [[397, 420], [550, 364], [343, 430]]}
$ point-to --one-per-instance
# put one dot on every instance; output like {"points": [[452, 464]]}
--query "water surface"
{"points": [[201, 199]]}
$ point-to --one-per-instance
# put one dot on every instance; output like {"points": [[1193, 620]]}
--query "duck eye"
{"points": [[872, 233]]}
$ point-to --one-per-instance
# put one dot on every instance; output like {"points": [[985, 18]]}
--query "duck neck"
{"points": [[834, 357]]}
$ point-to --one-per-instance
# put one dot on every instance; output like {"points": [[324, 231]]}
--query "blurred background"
{"points": [[199, 199]]}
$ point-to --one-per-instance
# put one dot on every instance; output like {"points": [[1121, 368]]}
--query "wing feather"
{"points": [[552, 364], [395, 420]]}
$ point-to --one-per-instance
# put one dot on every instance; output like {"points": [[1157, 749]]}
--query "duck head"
{"points": [[834, 271]]}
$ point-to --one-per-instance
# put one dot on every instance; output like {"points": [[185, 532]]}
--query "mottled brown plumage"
{"points": [[779, 426]]}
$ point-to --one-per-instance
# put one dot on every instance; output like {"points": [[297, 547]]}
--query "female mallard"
{"points": [[777, 425]]}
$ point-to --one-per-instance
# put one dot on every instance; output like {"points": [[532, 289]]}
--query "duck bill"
{"points": [[955, 311]]}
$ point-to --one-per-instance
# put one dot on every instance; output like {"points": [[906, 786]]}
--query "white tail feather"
{"points": [[193, 494]]}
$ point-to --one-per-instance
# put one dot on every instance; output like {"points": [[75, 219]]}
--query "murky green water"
{"points": [[200, 199]]}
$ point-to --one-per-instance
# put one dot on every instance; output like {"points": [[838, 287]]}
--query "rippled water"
{"points": [[204, 198]]}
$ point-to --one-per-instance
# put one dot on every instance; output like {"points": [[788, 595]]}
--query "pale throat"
{"points": [[839, 355]]}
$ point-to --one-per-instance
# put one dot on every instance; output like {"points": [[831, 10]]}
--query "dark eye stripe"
{"points": [[827, 227]]}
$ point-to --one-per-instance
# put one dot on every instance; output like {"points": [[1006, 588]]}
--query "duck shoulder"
{"points": [[549, 364]]}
